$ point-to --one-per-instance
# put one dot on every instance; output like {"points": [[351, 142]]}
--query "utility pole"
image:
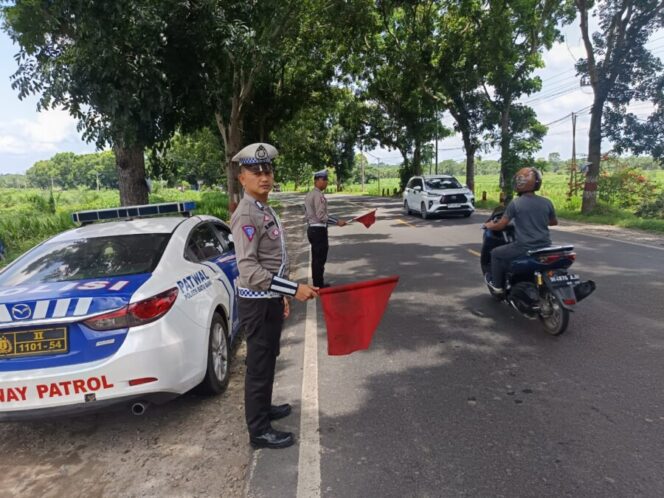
{"points": [[572, 173], [436, 141], [362, 167]]}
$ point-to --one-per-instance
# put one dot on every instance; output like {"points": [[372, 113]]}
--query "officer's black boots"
{"points": [[273, 439], [279, 411]]}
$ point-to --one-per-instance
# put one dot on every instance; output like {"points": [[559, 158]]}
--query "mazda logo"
{"points": [[21, 311]]}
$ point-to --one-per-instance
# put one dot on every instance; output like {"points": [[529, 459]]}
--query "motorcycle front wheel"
{"points": [[553, 316]]}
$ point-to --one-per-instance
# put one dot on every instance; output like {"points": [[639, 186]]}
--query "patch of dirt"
{"points": [[191, 446]]}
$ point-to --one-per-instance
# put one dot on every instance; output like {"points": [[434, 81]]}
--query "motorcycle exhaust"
{"points": [[139, 408]]}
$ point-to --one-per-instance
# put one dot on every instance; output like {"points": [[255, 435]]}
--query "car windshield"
{"points": [[98, 257], [442, 183]]}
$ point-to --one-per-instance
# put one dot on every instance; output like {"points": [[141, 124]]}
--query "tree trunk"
{"points": [[470, 161], [130, 163], [417, 158], [594, 155], [506, 166], [232, 135]]}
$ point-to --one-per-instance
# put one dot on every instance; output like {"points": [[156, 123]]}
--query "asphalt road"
{"points": [[459, 395]]}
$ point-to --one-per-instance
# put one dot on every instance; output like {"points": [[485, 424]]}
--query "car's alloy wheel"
{"points": [[218, 357], [425, 215]]}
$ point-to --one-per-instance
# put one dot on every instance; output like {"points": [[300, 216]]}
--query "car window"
{"points": [[224, 233], [203, 244], [442, 183], [418, 182], [98, 257], [411, 183]]}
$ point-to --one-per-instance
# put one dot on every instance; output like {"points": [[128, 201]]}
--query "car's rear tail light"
{"points": [[145, 311]]}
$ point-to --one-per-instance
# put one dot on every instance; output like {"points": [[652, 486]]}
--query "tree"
{"points": [[391, 70], [619, 68], [276, 55], [514, 34], [459, 68], [195, 156], [118, 67]]}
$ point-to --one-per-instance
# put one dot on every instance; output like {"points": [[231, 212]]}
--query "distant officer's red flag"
{"points": [[367, 219], [353, 311]]}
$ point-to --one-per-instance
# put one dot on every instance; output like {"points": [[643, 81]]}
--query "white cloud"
{"points": [[48, 132]]}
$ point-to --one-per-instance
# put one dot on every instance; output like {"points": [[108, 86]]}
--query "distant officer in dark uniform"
{"points": [[264, 290], [315, 207]]}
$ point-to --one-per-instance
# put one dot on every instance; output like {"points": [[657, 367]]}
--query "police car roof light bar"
{"points": [[125, 212]]}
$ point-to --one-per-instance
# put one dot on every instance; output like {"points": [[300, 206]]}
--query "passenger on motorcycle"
{"points": [[532, 215]]}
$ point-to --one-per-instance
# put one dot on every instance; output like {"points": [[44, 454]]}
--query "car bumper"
{"points": [[437, 208], [155, 361]]}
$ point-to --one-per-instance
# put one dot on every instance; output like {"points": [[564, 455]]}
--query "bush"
{"points": [[652, 209], [626, 188]]}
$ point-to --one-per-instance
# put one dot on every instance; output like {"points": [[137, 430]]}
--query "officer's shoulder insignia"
{"points": [[249, 231], [260, 205], [266, 218]]}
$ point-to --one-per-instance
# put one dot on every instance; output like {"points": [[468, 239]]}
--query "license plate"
{"points": [[563, 279], [33, 342], [453, 206]]}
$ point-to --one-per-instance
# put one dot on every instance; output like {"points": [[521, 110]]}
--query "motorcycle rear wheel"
{"points": [[556, 322]]}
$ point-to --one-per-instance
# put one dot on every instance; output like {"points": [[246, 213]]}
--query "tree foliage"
{"points": [[620, 69], [118, 67]]}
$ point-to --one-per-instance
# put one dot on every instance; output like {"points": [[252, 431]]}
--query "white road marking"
{"points": [[474, 253], [308, 475]]}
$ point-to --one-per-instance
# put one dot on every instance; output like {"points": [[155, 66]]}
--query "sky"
{"points": [[27, 136]]}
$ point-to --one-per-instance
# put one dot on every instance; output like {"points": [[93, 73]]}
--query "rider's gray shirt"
{"points": [[531, 215]]}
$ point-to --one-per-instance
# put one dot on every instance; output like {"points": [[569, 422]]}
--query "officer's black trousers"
{"points": [[261, 320], [319, 247]]}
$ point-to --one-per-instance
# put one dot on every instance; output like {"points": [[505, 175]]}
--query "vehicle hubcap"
{"points": [[219, 352]]}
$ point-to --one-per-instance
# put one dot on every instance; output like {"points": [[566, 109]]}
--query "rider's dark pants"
{"points": [[501, 259]]}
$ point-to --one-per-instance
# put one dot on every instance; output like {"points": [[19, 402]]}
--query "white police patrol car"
{"points": [[131, 311], [437, 194]]}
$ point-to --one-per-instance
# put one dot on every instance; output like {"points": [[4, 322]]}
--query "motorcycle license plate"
{"points": [[564, 279]]}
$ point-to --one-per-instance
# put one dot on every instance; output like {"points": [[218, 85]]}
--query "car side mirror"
{"points": [[417, 188]]}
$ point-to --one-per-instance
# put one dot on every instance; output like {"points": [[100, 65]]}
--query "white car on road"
{"points": [[437, 194], [131, 311]]}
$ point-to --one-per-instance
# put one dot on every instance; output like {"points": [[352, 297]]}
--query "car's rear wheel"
{"points": [[425, 214], [218, 357]]}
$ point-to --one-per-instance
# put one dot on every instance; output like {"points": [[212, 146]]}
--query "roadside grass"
{"points": [[555, 187], [26, 217]]}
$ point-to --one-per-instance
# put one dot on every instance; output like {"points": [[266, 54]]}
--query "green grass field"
{"points": [[555, 187], [26, 216]]}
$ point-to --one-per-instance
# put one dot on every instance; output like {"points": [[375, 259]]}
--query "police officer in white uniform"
{"points": [[264, 290], [318, 219]]}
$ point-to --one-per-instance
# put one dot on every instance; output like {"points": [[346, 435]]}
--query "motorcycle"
{"points": [[538, 284]]}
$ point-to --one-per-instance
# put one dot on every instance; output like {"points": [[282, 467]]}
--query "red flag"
{"points": [[367, 219], [353, 311]]}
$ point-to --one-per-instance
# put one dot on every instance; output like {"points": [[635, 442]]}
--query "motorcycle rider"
{"points": [[532, 215]]}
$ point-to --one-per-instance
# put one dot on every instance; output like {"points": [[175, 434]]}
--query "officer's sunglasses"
{"points": [[259, 168]]}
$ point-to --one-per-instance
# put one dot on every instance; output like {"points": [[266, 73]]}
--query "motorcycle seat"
{"points": [[550, 250]]}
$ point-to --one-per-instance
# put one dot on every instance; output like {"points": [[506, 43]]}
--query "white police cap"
{"points": [[256, 153], [321, 174]]}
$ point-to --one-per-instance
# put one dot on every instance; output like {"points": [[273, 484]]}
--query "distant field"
{"points": [[27, 217]]}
